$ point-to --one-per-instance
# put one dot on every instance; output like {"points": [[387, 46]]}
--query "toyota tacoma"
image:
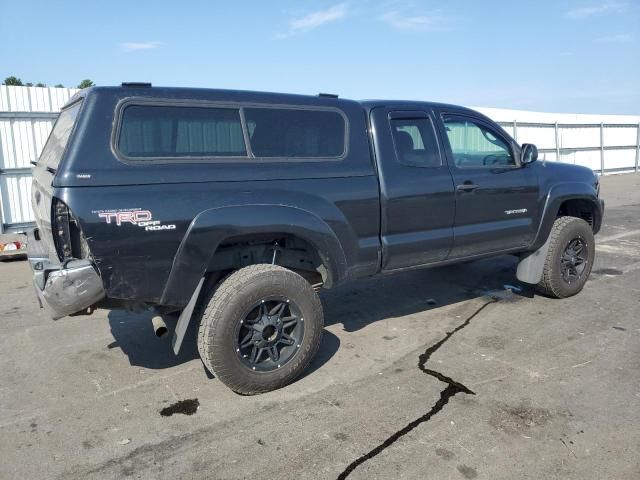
{"points": [[232, 209]]}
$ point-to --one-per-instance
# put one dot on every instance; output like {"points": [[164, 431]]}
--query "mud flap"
{"points": [[530, 267], [185, 318]]}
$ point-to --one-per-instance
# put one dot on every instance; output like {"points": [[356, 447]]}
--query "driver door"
{"points": [[496, 198]]}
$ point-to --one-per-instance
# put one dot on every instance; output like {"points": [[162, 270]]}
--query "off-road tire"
{"points": [[564, 230], [223, 307]]}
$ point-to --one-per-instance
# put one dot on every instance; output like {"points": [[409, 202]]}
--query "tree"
{"points": [[40, 84], [16, 82], [28, 84], [59, 85], [86, 84]]}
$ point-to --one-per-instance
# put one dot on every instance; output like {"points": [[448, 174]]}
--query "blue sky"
{"points": [[563, 56]]}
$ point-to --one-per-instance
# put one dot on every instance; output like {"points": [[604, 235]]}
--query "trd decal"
{"points": [[133, 216]]}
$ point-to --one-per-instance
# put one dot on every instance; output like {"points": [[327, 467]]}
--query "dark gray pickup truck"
{"points": [[232, 209]]}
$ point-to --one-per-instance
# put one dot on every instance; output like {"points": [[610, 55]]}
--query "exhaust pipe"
{"points": [[159, 327]]}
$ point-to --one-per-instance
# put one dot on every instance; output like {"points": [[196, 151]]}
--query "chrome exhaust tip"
{"points": [[159, 327]]}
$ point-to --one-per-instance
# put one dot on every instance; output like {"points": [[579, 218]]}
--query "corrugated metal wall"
{"points": [[27, 115]]}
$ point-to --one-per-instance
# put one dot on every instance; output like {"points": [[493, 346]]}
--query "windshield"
{"points": [[57, 141]]}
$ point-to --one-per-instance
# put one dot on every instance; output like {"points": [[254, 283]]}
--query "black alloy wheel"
{"points": [[271, 333], [574, 260]]}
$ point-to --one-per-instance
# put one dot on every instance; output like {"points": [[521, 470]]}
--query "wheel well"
{"points": [[579, 208], [286, 250]]}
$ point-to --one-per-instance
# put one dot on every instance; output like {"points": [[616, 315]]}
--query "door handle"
{"points": [[466, 187]]}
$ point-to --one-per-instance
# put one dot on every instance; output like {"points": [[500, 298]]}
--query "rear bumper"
{"points": [[63, 289]]}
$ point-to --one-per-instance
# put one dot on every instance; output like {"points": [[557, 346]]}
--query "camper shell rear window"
{"points": [[57, 142]]}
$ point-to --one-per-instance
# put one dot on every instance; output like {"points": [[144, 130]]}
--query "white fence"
{"points": [[604, 143]]}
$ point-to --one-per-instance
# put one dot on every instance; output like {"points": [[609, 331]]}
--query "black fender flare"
{"points": [[557, 195], [211, 227]]}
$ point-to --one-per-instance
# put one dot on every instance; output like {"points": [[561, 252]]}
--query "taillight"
{"points": [[67, 234]]}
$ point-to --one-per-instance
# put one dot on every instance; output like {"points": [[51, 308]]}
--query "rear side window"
{"points": [[415, 142], [281, 132], [150, 131], [59, 137]]}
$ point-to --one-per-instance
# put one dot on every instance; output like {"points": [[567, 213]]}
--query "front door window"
{"points": [[475, 146]]}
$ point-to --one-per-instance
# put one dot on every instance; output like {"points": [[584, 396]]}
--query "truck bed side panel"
{"points": [[135, 261]]}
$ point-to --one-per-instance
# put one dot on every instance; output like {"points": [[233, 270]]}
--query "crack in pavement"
{"points": [[452, 389]]}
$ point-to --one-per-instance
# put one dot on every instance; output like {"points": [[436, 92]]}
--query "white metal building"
{"points": [[27, 115]]}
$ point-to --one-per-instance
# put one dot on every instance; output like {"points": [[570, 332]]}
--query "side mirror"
{"points": [[528, 154]]}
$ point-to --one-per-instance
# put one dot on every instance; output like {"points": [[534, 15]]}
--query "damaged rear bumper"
{"points": [[63, 289]]}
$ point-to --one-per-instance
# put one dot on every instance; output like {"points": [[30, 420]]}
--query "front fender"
{"points": [[211, 227], [556, 196]]}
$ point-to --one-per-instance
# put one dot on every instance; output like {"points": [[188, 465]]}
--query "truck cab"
{"points": [[452, 185]]}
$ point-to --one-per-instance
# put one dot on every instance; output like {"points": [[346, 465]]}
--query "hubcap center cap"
{"points": [[269, 333]]}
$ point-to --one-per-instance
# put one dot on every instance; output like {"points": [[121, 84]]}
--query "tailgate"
{"points": [[41, 199]]}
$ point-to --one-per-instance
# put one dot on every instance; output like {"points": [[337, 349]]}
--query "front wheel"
{"points": [[260, 329], [569, 258]]}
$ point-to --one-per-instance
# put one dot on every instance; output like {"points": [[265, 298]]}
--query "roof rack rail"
{"points": [[328, 95], [136, 84]]}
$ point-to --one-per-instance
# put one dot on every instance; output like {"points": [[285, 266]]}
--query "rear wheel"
{"points": [[260, 328], [569, 258]]}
